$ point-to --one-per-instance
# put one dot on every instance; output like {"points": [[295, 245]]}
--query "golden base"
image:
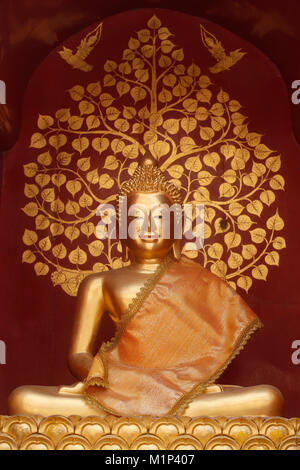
{"points": [[148, 433]]}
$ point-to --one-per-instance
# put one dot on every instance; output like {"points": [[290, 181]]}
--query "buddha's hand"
{"points": [[76, 389]]}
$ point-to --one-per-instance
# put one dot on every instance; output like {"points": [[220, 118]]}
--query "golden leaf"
{"points": [[275, 222], [92, 176], [63, 114], [106, 181], [179, 90], [138, 128], [133, 43], [37, 141], [41, 269], [106, 99], [249, 251], [188, 124], [207, 133], [87, 228], [159, 148], [57, 140], [31, 190], [258, 168], [85, 107], [122, 88], [219, 228], [58, 278], [235, 208], [169, 79], [31, 209], [238, 119], [84, 164], [154, 22], [96, 247], [244, 282], [235, 260], [73, 186], [147, 51], [205, 178], [212, 159], [111, 163], [244, 222], [72, 208], [117, 263], [250, 180], [30, 169], [217, 109], [150, 137], [204, 81], [164, 96], [142, 75], [92, 122], [29, 237], [255, 207], [194, 70], [232, 240], [201, 195], [45, 121], [110, 65], [273, 163], [234, 106], [237, 163], [163, 33], [190, 105], [171, 125], [217, 123], [261, 151], [222, 96], [45, 244], [244, 154], [99, 267], [28, 257], [229, 176], [204, 95], [178, 55], [226, 190], [277, 182], [258, 235], [77, 256], [144, 35], [164, 61], [219, 268], [175, 171], [56, 229], [94, 89], [44, 159], [132, 167], [279, 243], [155, 119], [190, 250], [85, 200], [101, 143], [260, 272], [193, 164], [167, 46], [201, 113], [129, 112], [209, 213], [130, 151], [144, 113], [57, 206], [41, 222], [59, 251], [240, 131], [77, 92], [72, 233], [272, 258], [108, 79], [122, 125], [215, 251], [58, 179], [80, 144], [228, 150], [64, 158], [232, 284], [253, 139]]}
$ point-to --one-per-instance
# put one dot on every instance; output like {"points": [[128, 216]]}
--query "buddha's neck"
{"points": [[148, 264]]}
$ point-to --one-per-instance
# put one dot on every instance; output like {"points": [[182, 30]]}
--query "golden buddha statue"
{"points": [[178, 328]]}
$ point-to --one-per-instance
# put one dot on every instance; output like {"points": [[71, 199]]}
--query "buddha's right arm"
{"points": [[89, 311]]}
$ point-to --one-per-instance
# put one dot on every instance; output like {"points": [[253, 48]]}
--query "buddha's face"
{"points": [[146, 237]]}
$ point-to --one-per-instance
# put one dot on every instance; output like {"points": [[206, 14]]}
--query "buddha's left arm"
{"points": [[89, 311]]}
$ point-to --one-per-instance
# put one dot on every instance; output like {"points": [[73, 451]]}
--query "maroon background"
{"points": [[36, 318]]}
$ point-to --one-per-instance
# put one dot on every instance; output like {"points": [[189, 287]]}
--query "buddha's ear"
{"points": [[177, 249], [125, 253]]}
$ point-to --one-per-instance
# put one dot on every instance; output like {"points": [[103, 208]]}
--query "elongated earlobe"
{"points": [[177, 249], [125, 254]]}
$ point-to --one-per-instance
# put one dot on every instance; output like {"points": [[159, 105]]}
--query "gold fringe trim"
{"points": [[183, 402]]}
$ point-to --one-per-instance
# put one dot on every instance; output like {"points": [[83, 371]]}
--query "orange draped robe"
{"points": [[179, 334]]}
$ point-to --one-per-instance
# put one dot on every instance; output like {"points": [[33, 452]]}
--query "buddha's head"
{"points": [[149, 222]]}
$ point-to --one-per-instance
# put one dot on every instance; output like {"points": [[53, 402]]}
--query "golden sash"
{"points": [[179, 334]]}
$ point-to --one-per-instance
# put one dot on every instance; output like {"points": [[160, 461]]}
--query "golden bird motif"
{"points": [[224, 61], [87, 44]]}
